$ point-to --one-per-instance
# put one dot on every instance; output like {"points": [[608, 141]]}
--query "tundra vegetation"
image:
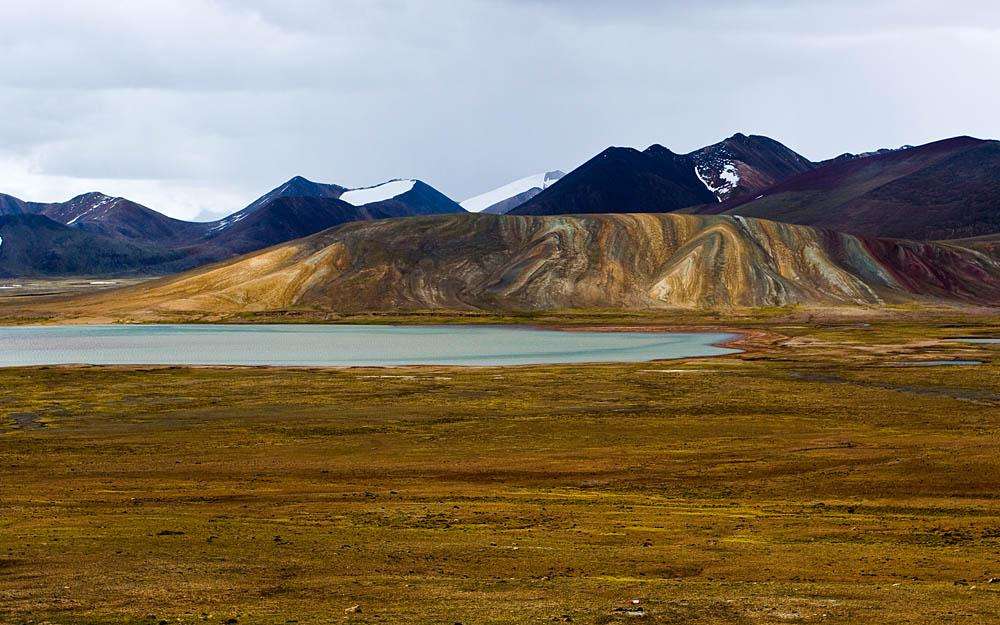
{"points": [[809, 479]]}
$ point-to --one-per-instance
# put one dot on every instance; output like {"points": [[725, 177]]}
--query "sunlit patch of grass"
{"points": [[803, 482]]}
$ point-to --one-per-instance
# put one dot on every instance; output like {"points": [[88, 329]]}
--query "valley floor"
{"points": [[809, 480]]}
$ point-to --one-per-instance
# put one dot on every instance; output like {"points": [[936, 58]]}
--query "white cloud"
{"points": [[192, 105], [187, 199]]}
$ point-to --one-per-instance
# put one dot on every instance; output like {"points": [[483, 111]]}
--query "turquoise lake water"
{"points": [[340, 345]]}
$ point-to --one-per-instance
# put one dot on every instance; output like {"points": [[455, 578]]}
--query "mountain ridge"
{"points": [[622, 180], [947, 189], [940, 190], [115, 236], [622, 261]]}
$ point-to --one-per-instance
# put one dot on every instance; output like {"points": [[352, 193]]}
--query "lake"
{"points": [[341, 345]]}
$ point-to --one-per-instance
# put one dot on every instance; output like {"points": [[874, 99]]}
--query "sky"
{"points": [[196, 107]]}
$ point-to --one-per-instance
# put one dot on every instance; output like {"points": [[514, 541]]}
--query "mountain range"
{"points": [[94, 234], [635, 261], [942, 190], [947, 189], [657, 180]]}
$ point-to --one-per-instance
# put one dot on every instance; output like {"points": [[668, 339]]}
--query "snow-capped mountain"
{"points": [[96, 234], [623, 180], [89, 207], [658, 180], [301, 207], [403, 196], [744, 165], [511, 195], [115, 217], [294, 187]]}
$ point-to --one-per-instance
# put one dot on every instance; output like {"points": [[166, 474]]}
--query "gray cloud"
{"points": [[197, 106]]}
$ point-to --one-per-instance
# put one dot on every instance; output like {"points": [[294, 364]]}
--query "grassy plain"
{"points": [[809, 480]]}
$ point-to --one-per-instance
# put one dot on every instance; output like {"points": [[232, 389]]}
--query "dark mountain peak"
{"points": [[10, 205], [91, 206], [300, 186], [743, 141], [404, 195], [91, 195], [657, 149], [297, 186], [116, 217], [742, 165], [85, 204], [623, 180], [614, 151], [954, 143]]}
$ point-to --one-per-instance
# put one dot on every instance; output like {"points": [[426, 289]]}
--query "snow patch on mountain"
{"points": [[378, 193], [228, 221], [483, 201], [103, 201], [725, 180]]}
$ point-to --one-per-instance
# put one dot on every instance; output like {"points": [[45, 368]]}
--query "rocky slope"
{"points": [[744, 165], [635, 261], [942, 190]]}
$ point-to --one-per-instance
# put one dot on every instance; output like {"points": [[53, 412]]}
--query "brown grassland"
{"points": [[808, 480]]}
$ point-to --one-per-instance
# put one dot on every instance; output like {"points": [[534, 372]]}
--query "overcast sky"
{"points": [[196, 107]]}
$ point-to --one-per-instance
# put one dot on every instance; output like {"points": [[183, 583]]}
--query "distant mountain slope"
{"points": [[301, 207], [34, 245], [409, 197], [287, 218], [118, 218], [656, 180], [941, 190], [503, 199], [623, 180], [153, 243], [742, 165], [848, 156], [10, 205], [294, 187], [114, 217], [637, 261]]}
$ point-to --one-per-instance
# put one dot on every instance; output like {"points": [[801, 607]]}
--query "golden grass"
{"points": [[807, 482]]}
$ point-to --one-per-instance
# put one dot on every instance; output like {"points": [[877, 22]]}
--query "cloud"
{"points": [[198, 106]]}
